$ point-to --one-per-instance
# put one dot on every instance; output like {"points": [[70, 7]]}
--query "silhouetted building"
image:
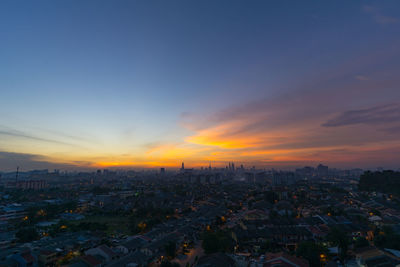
{"points": [[322, 170]]}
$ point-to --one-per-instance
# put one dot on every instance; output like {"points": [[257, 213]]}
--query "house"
{"points": [[6, 239], [103, 251], [91, 261], [375, 220], [133, 244], [158, 246], [131, 259], [284, 260], [372, 256], [316, 232], [12, 212], [47, 257], [8, 263], [25, 258], [290, 235], [284, 208], [255, 215]]}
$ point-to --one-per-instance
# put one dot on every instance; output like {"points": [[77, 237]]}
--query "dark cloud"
{"points": [[376, 115], [392, 130], [9, 161]]}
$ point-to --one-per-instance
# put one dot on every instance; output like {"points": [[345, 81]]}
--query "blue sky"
{"points": [[107, 82]]}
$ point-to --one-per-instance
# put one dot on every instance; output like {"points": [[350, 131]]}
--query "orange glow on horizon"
{"points": [[230, 142]]}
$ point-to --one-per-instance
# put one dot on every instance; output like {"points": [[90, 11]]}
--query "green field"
{"points": [[116, 224]]}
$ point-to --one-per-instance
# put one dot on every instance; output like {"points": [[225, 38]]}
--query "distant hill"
{"points": [[385, 182]]}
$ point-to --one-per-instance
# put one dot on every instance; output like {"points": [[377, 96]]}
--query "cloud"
{"points": [[288, 130], [361, 78], [269, 131], [392, 130], [376, 115], [378, 16], [19, 134], [381, 19], [9, 161]]}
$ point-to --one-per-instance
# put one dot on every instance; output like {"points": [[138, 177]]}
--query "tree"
{"points": [[27, 235], [271, 196], [97, 190], [311, 252], [385, 182], [339, 238], [267, 246], [217, 242], [166, 263], [170, 249], [361, 242], [210, 243], [387, 239]]}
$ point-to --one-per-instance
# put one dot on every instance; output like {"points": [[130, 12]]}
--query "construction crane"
{"points": [[16, 175]]}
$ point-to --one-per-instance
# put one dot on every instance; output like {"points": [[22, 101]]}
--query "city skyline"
{"points": [[87, 85]]}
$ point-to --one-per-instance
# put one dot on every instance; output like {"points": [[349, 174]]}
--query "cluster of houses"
{"points": [[250, 214]]}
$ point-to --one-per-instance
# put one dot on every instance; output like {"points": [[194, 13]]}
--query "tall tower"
{"points": [[183, 166], [16, 175]]}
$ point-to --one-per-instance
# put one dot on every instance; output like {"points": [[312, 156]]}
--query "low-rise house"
{"points": [[372, 256], [256, 215], [6, 239], [157, 247], [12, 212], [91, 261], [284, 260], [25, 259], [103, 251], [375, 220], [47, 257], [134, 244], [136, 258]]}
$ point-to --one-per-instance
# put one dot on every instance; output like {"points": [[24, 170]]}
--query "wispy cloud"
{"points": [[378, 16], [6, 131], [361, 78], [19, 134], [375, 115]]}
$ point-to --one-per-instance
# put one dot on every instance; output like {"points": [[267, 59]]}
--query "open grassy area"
{"points": [[116, 224]]}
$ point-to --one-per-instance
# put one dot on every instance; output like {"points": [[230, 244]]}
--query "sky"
{"points": [[137, 84]]}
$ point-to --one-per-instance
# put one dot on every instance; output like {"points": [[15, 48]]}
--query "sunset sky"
{"points": [[99, 84]]}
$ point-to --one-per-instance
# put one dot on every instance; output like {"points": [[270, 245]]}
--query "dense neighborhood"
{"points": [[206, 217]]}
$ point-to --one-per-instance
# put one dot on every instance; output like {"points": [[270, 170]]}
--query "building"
{"points": [[12, 212], [28, 184], [284, 259]]}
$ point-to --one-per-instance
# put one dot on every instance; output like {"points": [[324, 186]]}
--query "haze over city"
{"points": [[125, 84]]}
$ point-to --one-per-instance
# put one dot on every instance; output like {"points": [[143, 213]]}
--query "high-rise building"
{"points": [[322, 170]]}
